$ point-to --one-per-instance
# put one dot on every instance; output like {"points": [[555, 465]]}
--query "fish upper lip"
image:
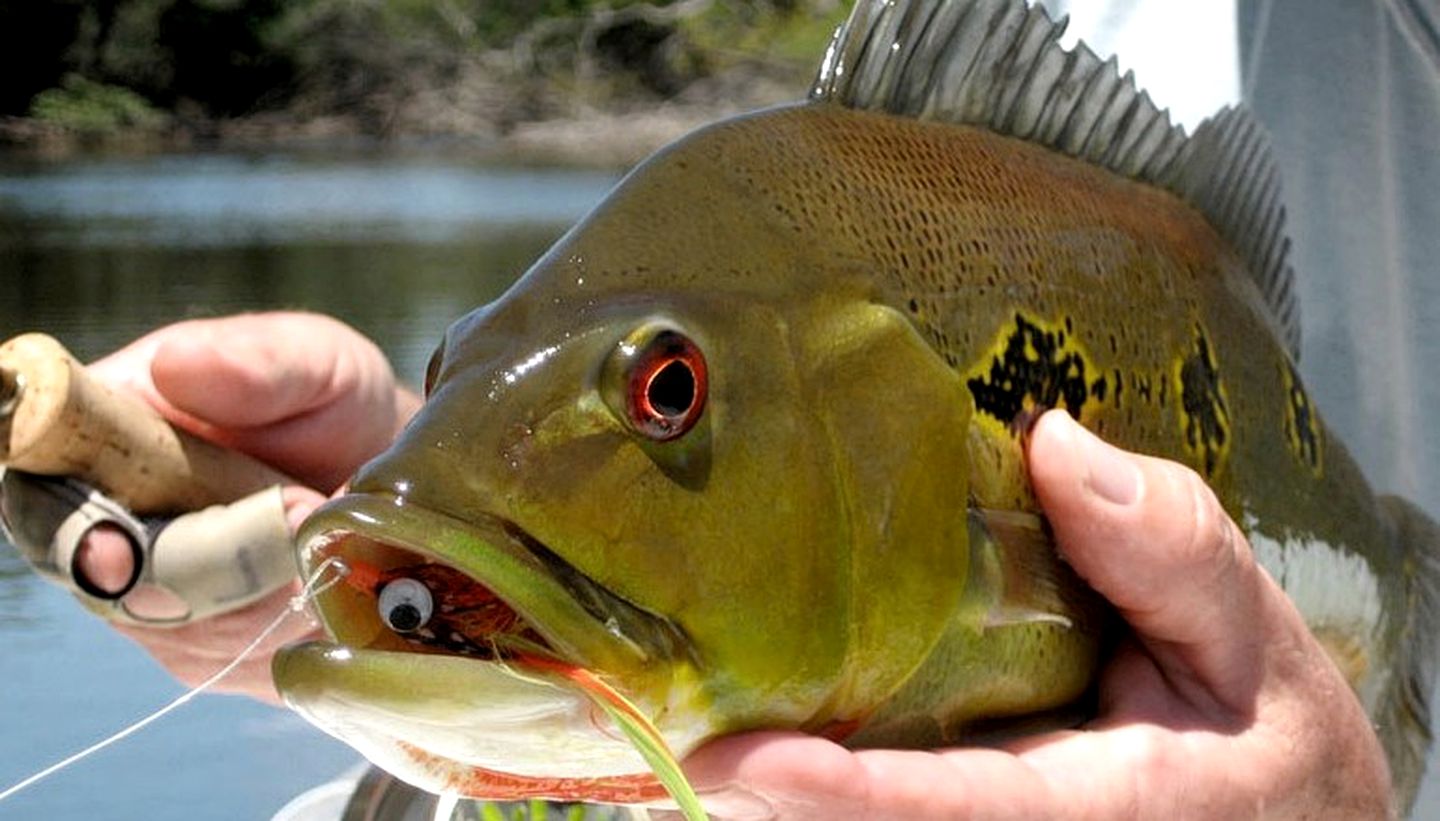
{"points": [[590, 625]]}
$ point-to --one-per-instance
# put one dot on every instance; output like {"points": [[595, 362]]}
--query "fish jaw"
{"points": [[442, 721], [482, 722]]}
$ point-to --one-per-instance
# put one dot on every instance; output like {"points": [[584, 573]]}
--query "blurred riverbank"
{"points": [[569, 82]]}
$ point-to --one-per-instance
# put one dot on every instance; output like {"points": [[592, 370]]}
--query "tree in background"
{"points": [[107, 61]]}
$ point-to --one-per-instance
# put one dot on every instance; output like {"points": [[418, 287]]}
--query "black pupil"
{"points": [[405, 617], [672, 391]]}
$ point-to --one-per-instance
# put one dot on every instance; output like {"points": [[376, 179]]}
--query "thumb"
{"points": [[1151, 537]]}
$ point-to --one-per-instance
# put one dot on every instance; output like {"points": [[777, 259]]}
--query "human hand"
{"points": [[1222, 705], [301, 392]]}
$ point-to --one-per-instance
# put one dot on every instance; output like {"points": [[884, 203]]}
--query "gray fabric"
{"points": [[1350, 91]]}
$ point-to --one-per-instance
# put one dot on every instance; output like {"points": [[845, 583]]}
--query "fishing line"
{"points": [[313, 587], [445, 805]]}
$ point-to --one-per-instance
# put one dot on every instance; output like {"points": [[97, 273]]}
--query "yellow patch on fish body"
{"points": [[1303, 432]]}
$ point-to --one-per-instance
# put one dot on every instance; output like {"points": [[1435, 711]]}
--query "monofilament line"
{"points": [[313, 588], [445, 805]]}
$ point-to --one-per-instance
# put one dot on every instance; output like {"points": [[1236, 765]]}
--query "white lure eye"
{"points": [[405, 605]]}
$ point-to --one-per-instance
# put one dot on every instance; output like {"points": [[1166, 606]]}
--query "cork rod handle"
{"points": [[56, 419]]}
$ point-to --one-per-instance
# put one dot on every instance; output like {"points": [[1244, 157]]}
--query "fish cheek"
{"points": [[896, 416], [688, 462]]}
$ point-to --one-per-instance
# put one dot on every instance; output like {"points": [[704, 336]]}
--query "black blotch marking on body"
{"points": [[1203, 409], [1036, 369], [1302, 425]]}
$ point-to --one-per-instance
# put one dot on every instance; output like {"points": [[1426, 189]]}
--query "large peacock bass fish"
{"points": [[745, 444]]}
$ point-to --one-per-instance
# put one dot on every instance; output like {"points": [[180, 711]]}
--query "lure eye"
{"points": [[666, 386], [405, 605]]}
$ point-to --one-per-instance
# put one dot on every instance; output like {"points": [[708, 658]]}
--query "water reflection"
{"points": [[100, 252], [96, 254], [16, 591], [279, 199]]}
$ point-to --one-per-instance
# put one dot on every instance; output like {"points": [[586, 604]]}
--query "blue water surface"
{"points": [[97, 252]]}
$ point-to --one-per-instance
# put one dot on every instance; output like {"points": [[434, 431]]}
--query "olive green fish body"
{"points": [[1022, 270], [746, 443], [1043, 282]]}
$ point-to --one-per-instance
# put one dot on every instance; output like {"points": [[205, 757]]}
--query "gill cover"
{"points": [[895, 416]]}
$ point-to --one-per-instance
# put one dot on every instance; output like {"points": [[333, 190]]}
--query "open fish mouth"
{"points": [[430, 675]]}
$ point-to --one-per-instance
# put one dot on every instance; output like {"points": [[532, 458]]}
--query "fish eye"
{"points": [[405, 605], [665, 383]]}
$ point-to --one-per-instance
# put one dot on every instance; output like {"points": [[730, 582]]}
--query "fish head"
{"points": [[689, 452]]}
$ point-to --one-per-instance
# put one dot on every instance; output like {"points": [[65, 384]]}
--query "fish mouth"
{"points": [[453, 702]]}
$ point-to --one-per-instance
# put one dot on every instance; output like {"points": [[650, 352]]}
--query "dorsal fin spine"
{"points": [[998, 64], [1036, 32], [1060, 103], [1260, 231], [1082, 130], [1125, 104], [1247, 186]]}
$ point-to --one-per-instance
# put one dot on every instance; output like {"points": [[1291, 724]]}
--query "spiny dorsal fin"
{"points": [[999, 64]]}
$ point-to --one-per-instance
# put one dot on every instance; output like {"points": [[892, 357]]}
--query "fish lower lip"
{"points": [[452, 720], [450, 723], [447, 713]]}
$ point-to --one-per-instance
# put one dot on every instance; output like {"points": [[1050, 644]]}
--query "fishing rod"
{"points": [[58, 420], [205, 524]]}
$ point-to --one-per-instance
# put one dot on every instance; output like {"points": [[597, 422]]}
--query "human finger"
{"points": [[300, 391], [105, 559], [763, 775], [1151, 537], [194, 652]]}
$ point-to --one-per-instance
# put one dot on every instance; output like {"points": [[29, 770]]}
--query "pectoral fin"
{"points": [[1021, 651], [1013, 554]]}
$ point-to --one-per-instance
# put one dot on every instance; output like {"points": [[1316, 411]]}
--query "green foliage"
{"points": [[791, 34], [538, 810], [89, 107], [363, 59], [501, 20]]}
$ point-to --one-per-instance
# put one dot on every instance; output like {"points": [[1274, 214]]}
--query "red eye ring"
{"points": [[667, 387]]}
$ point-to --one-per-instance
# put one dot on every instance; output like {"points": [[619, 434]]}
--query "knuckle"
{"points": [[1205, 541]]}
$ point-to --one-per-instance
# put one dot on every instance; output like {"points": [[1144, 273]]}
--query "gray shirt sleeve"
{"points": [[1350, 92]]}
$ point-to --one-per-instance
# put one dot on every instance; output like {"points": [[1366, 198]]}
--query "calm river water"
{"points": [[98, 252]]}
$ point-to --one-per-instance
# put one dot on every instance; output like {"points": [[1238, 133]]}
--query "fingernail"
{"points": [[1110, 473]]}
